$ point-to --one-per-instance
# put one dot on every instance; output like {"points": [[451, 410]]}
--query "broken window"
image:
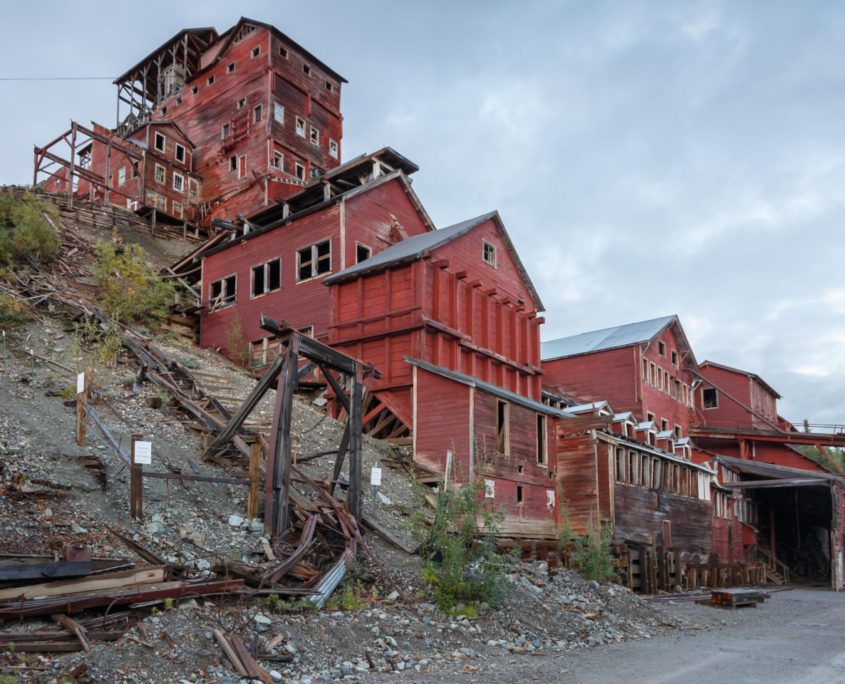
{"points": [[256, 51], [306, 69], [210, 80], [300, 127], [159, 142], [620, 464], [279, 161], [299, 170], [329, 86], [283, 51], [677, 432], [278, 113], [316, 171], [230, 68], [121, 175], [542, 451], [178, 182], [267, 277], [314, 260], [362, 253], [233, 163], [225, 130], [489, 253], [664, 425], [222, 293], [334, 150], [193, 188], [195, 90], [257, 113], [241, 103], [520, 496], [661, 348], [159, 173], [502, 427], [674, 357], [315, 136], [709, 398], [180, 153]]}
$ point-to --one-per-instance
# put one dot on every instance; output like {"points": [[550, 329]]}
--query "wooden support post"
{"points": [[136, 484], [354, 500], [81, 415], [153, 223], [254, 479], [277, 496]]}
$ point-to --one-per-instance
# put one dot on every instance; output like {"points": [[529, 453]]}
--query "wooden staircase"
{"points": [[777, 572]]}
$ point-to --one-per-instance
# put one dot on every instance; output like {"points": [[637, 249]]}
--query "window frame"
{"points": [[226, 130], [278, 157], [121, 176], [300, 127], [156, 137], [297, 167], [163, 179], [362, 246], [255, 53], [266, 278], [503, 436], [181, 179], [314, 261], [257, 113], [487, 249], [228, 300], [334, 149], [542, 440], [314, 135], [704, 401], [278, 107], [230, 67]]}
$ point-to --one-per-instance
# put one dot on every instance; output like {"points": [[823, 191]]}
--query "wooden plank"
{"points": [[94, 584], [230, 652], [72, 625], [24, 571]]}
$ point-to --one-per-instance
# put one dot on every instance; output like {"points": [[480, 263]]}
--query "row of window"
{"points": [[664, 425], [661, 350], [652, 472], [503, 436], [312, 261], [660, 379], [160, 145], [159, 201], [177, 181], [306, 69]]}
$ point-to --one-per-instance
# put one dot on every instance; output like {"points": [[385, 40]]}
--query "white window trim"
{"points": [[156, 136], [334, 149], [296, 167], [228, 304], [278, 106], [300, 127], [184, 154], [280, 157], [121, 176], [485, 245], [314, 135], [163, 180], [181, 178]]}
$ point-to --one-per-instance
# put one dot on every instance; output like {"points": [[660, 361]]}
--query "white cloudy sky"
{"points": [[647, 157]]}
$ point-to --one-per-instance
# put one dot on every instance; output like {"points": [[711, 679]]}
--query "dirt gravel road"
{"points": [[796, 636]]}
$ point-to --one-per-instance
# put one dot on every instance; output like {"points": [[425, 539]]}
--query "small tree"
{"points": [[593, 557], [462, 561], [25, 228], [129, 290]]}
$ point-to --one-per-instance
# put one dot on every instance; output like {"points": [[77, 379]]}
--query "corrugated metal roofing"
{"points": [[410, 249], [608, 338]]}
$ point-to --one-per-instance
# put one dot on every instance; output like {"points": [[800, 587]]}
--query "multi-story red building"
{"points": [[647, 368], [254, 113]]}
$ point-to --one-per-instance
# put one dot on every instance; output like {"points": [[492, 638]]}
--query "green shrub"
{"points": [[129, 290], [12, 310], [25, 228], [462, 560], [593, 558]]}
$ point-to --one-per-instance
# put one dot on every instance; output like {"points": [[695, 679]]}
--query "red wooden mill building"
{"points": [[689, 465], [208, 125]]}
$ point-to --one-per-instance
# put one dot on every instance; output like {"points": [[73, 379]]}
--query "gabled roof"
{"points": [[617, 337], [587, 408], [752, 376], [420, 246], [229, 35]]}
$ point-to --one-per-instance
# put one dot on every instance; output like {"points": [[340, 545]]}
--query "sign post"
{"points": [[140, 455], [83, 383]]}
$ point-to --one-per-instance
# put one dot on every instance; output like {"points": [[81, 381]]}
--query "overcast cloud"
{"points": [[647, 158]]}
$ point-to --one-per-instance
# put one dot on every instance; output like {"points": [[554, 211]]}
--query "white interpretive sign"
{"points": [[80, 383], [375, 477], [144, 453], [489, 489]]}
